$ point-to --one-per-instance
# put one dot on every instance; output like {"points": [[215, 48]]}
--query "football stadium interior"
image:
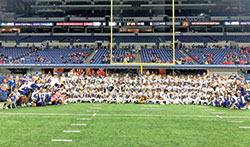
{"points": [[124, 73]]}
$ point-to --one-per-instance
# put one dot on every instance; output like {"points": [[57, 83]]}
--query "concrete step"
{"points": [[188, 56], [91, 56]]}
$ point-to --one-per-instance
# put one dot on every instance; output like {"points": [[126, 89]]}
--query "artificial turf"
{"points": [[163, 125]]}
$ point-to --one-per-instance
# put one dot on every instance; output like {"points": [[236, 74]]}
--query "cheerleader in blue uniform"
{"points": [[41, 98], [233, 101], [241, 102]]}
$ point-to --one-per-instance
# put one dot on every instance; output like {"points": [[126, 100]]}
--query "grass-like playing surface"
{"points": [[125, 125]]}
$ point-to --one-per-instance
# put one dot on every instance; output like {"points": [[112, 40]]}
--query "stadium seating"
{"points": [[97, 58], [11, 38], [60, 56], [54, 55], [65, 38], [166, 55], [219, 55], [126, 39], [137, 39], [189, 39], [14, 52], [232, 38]]}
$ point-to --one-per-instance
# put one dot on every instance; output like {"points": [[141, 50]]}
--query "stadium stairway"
{"points": [[21, 39], [138, 57], [211, 38], [26, 55], [24, 38], [91, 55], [161, 39], [188, 56]]}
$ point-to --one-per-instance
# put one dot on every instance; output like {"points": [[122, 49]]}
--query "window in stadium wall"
{"points": [[198, 29], [214, 29], [10, 30], [246, 29], [126, 30], [160, 30], [181, 29], [77, 30], [60, 30], [146, 30], [107, 30], [43, 30], [233, 29]]}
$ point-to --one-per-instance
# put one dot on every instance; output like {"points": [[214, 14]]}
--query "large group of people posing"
{"points": [[58, 89]]}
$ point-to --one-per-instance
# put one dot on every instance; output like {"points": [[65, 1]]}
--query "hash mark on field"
{"points": [[236, 121], [78, 124], [151, 108], [71, 131], [244, 127], [84, 118], [63, 140], [219, 116]]}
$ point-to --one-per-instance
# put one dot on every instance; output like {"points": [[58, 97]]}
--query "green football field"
{"points": [[124, 125]]}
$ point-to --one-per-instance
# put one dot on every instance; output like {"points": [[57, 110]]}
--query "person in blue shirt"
{"points": [[36, 85], [3, 94], [12, 97], [21, 79], [9, 82], [14, 84]]}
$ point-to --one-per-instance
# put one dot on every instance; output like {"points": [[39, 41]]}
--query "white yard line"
{"points": [[152, 115], [237, 117], [71, 131], [123, 115], [244, 127], [84, 118], [236, 121], [96, 108], [151, 108], [217, 112], [47, 114], [79, 124], [62, 140], [92, 110]]}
